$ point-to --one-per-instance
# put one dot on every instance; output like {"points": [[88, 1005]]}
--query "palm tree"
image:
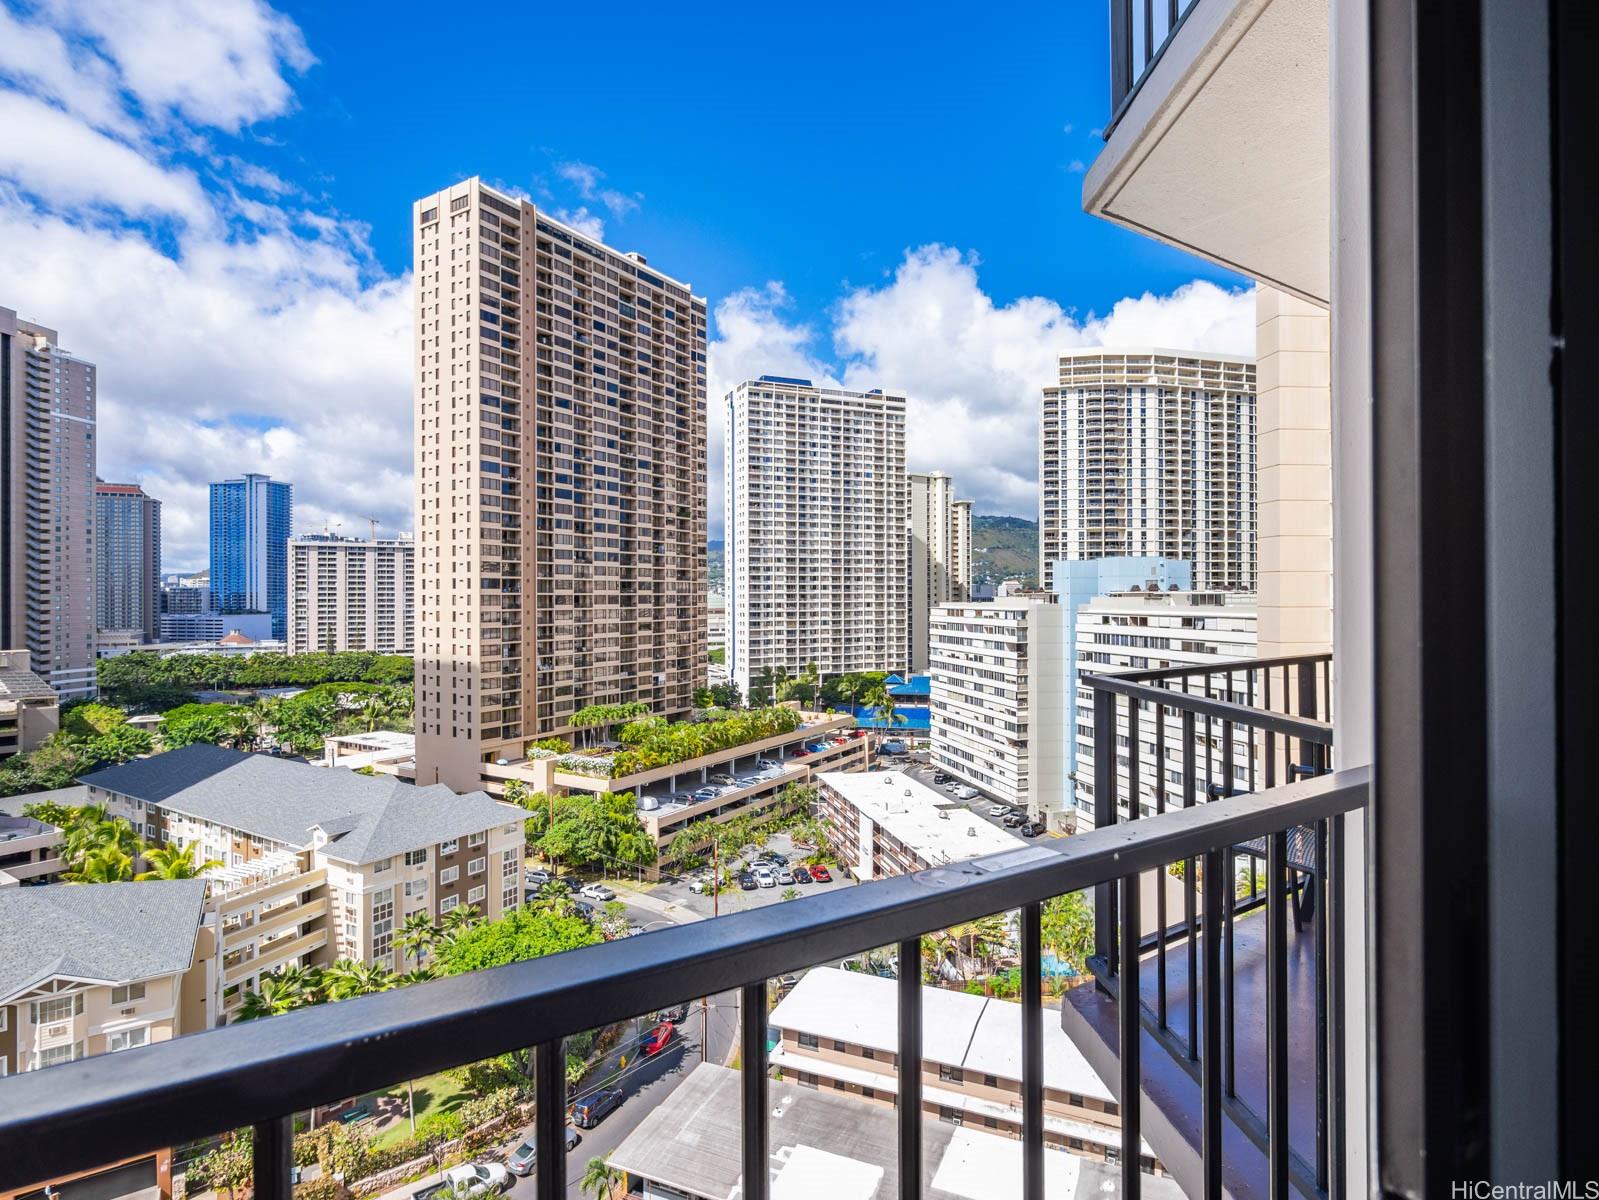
{"points": [[599, 1178], [418, 936], [881, 697], [103, 864], [375, 710], [289, 988], [174, 862], [347, 979], [459, 919], [240, 721], [554, 899]]}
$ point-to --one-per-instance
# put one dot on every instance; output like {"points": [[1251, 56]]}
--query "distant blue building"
{"points": [[251, 519], [1078, 581]]}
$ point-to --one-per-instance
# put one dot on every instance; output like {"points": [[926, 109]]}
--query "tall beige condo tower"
{"points": [[1151, 452], [939, 553], [560, 474], [1293, 340], [350, 593], [816, 529], [47, 511]]}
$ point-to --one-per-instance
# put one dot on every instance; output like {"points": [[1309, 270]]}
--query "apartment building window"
{"points": [[449, 902], [415, 858], [382, 864], [509, 897], [58, 1054], [949, 1115], [5, 1066], [477, 895], [950, 1074], [477, 839], [809, 1041], [48, 1012], [5, 1019], [416, 887], [508, 864], [127, 1039], [449, 875], [477, 866], [126, 994], [449, 847], [382, 922], [990, 1081]]}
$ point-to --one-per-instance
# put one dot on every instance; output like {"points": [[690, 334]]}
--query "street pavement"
{"points": [[645, 1082]]}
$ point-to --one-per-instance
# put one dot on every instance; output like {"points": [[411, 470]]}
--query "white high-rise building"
{"points": [[939, 551], [816, 529], [350, 593], [1151, 631], [1151, 453], [1000, 700]]}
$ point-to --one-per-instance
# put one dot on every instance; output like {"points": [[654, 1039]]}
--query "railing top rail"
{"points": [[1199, 670], [82, 1114], [1318, 733]]}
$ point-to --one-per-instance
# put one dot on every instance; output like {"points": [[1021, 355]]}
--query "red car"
{"points": [[819, 873], [658, 1038]]}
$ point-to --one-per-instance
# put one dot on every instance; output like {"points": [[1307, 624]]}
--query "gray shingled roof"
{"points": [[366, 817], [111, 932]]}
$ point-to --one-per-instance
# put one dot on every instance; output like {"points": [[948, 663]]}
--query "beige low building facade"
{"points": [[838, 1030], [101, 968], [30, 710], [318, 864]]}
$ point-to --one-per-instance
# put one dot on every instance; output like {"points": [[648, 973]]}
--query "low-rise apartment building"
{"points": [[1000, 703], [839, 1030], [101, 968], [1150, 631], [883, 823], [29, 707], [30, 849], [317, 864], [748, 778]]}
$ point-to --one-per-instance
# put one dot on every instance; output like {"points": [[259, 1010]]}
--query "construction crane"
{"points": [[373, 522]]}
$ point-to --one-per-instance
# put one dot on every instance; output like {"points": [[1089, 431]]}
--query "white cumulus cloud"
{"points": [[972, 368]]}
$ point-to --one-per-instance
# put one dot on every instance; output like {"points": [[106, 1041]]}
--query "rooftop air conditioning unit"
{"points": [[971, 831]]}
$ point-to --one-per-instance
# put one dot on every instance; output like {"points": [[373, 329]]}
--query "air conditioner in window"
{"points": [[126, 1012]]}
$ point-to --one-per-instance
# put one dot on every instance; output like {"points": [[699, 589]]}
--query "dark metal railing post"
{"points": [[1033, 1050], [1129, 1014], [1190, 908], [549, 1119], [908, 1069], [752, 1061], [1160, 876], [1121, 52], [1319, 901], [1210, 1056], [1335, 1004], [1277, 1147], [1104, 817], [272, 1153]]}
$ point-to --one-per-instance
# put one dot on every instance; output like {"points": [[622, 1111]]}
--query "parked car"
{"points": [[658, 1038], [746, 881], [962, 792], [700, 885], [768, 764], [893, 746], [819, 873], [586, 911], [674, 1015], [940, 777], [536, 877], [764, 877], [592, 1109], [1032, 829], [467, 1180], [800, 875], [800, 753], [596, 891], [524, 1158], [706, 793], [723, 778], [1015, 820]]}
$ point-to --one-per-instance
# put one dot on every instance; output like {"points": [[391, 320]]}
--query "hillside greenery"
{"points": [[1004, 548]]}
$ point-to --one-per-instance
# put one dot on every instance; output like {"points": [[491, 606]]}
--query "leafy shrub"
{"points": [[324, 1187]]}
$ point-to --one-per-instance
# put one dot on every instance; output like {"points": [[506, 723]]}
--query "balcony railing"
{"points": [[1270, 718], [1140, 31], [259, 1073]]}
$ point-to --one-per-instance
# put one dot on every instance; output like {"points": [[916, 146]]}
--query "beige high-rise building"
{"points": [[939, 553], [560, 482], [350, 593], [1151, 453], [47, 506], [816, 529]]}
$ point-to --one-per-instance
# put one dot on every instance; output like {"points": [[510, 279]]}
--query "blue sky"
{"points": [[211, 199]]}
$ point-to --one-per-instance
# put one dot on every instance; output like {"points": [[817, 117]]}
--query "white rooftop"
{"points": [[926, 820], [808, 1172], [975, 1033]]}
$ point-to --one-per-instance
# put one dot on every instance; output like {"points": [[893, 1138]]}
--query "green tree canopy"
{"points": [[519, 936]]}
